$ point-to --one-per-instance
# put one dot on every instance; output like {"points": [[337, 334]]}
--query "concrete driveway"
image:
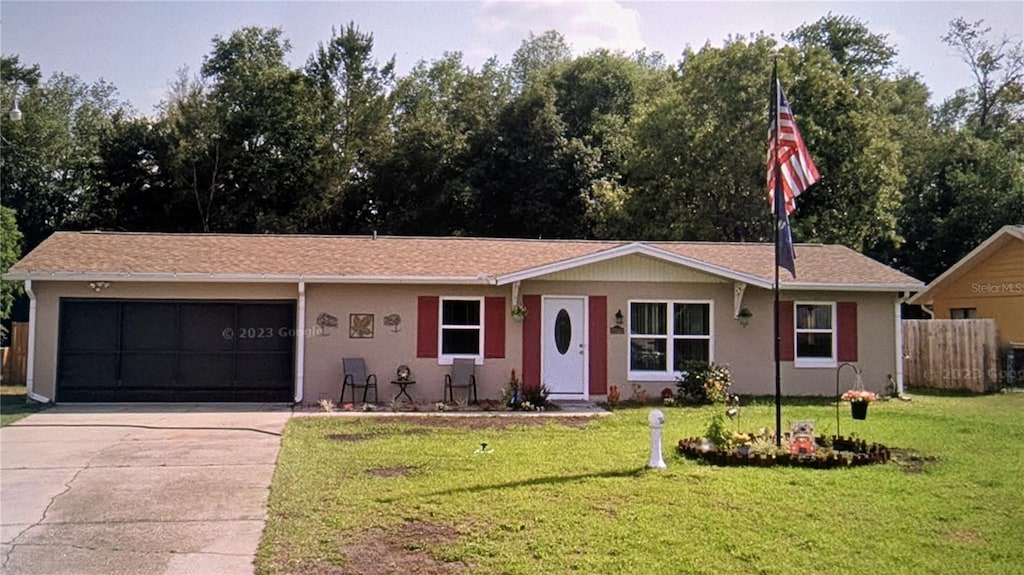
{"points": [[137, 489]]}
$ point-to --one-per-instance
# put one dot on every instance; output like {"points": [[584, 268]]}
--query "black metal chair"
{"points": [[356, 376], [463, 375]]}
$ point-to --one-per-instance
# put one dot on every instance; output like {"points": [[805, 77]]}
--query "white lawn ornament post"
{"points": [[656, 419]]}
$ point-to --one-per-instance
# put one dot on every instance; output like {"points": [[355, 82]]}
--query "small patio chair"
{"points": [[356, 376], [463, 375]]}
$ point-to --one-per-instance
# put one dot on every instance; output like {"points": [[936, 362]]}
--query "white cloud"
{"points": [[586, 24]]}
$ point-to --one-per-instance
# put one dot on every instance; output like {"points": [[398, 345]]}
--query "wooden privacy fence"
{"points": [[951, 354], [15, 358]]}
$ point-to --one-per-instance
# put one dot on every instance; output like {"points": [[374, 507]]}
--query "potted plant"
{"points": [[859, 400], [744, 316], [518, 312]]}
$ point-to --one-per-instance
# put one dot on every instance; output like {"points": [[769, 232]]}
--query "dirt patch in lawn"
{"points": [[390, 471], [962, 536], [354, 437], [501, 422], [349, 437], [911, 461], [397, 551]]}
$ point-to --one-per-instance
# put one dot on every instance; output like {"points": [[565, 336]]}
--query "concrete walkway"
{"points": [[132, 489]]}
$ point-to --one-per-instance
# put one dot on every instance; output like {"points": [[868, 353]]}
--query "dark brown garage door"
{"points": [[176, 351]]}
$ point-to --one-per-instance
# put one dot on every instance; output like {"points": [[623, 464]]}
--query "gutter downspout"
{"points": [[300, 344], [900, 299], [31, 359]]}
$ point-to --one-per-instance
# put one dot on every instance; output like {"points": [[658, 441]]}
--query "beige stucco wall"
{"points": [[389, 349], [993, 286], [747, 351], [48, 294]]}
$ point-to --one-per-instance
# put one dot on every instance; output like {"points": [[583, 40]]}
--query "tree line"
{"points": [[603, 145]]}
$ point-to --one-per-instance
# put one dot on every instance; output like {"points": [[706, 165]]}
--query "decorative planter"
{"points": [[859, 409], [850, 452]]}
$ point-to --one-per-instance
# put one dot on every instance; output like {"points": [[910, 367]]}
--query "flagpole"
{"points": [[777, 205]]}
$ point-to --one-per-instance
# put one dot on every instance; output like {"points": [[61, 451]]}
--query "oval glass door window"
{"points": [[563, 331]]}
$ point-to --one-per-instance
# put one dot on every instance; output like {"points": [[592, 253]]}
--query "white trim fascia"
{"points": [[246, 278], [631, 249], [1010, 230], [809, 286]]}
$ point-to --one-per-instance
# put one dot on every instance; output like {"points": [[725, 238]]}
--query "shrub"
{"points": [[535, 396], [701, 382]]}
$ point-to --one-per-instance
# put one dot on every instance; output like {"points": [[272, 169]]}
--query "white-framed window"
{"points": [[664, 334], [815, 334], [461, 330]]}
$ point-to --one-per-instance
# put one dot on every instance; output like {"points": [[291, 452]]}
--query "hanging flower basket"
{"points": [[859, 409], [518, 312]]}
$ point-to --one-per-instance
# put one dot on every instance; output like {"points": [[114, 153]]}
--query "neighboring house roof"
{"points": [[388, 259], [995, 242]]}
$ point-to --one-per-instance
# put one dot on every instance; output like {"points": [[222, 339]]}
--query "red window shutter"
{"points": [[426, 326], [786, 331], [846, 317], [598, 344], [531, 341], [494, 327]]}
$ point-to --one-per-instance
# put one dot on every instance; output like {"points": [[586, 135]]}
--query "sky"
{"points": [[139, 46]]}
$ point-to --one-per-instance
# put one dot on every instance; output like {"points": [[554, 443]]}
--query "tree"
{"points": [[49, 156], [10, 252], [536, 55], [250, 139], [530, 176], [973, 188], [860, 123], [849, 42], [353, 114], [440, 110], [996, 100], [699, 169]]}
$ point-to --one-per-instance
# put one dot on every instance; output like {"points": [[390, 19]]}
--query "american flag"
{"points": [[796, 168]]}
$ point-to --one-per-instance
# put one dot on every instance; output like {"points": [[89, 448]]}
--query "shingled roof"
{"points": [[226, 257]]}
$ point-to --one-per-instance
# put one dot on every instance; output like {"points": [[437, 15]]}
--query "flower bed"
{"points": [[830, 453]]}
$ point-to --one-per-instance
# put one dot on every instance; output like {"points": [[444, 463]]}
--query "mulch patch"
{"points": [[911, 461]]}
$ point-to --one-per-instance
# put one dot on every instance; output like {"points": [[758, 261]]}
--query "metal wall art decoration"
{"points": [[324, 321], [360, 325], [393, 320]]}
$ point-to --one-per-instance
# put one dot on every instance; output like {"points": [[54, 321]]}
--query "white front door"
{"points": [[563, 351]]}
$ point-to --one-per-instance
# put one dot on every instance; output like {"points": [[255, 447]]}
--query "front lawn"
{"points": [[14, 405], [417, 496]]}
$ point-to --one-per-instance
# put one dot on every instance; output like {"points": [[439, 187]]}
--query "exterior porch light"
{"points": [[618, 317]]}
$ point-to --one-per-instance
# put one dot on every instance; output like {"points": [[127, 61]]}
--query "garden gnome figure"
{"points": [[656, 419]]}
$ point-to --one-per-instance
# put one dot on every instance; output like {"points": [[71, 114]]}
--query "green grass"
{"points": [[556, 499], [14, 405]]}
